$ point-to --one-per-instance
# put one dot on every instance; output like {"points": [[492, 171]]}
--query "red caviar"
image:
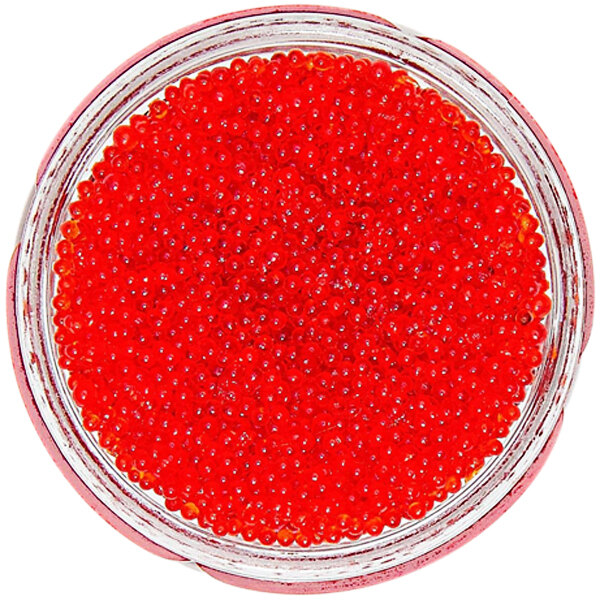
{"points": [[300, 298]]}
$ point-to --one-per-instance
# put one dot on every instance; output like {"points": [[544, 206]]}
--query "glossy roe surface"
{"points": [[301, 298]]}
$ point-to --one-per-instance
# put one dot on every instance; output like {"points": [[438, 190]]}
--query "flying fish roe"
{"points": [[301, 298]]}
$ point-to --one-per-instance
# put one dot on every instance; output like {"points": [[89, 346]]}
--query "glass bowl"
{"points": [[140, 515]]}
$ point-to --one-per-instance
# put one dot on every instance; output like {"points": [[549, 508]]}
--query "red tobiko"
{"points": [[301, 298]]}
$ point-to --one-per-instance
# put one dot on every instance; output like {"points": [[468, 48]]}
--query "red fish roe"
{"points": [[300, 298]]}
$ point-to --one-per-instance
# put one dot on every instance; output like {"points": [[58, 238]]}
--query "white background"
{"points": [[52, 54]]}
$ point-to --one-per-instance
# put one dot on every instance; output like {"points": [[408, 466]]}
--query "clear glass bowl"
{"points": [[142, 516]]}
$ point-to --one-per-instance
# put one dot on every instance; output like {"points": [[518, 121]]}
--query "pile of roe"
{"points": [[300, 298]]}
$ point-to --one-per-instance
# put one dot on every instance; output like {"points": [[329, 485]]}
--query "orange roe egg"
{"points": [[301, 298]]}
